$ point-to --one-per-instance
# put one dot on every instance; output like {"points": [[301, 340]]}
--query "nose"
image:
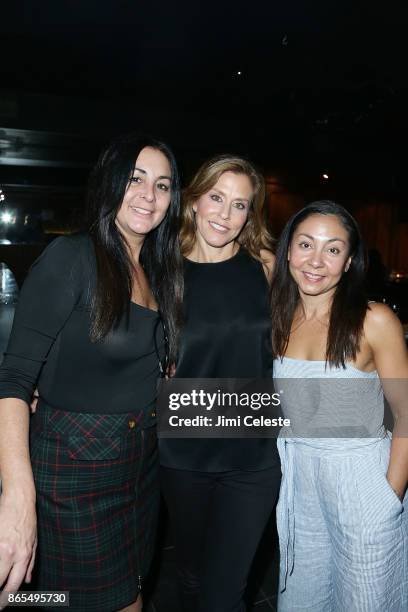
{"points": [[316, 260], [225, 211], [148, 192]]}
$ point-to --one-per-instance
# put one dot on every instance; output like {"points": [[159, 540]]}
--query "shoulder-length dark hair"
{"points": [[349, 304], [160, 254], [255, 235]]}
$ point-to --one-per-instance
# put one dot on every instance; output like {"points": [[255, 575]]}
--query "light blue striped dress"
{"points": [[343, 532]]}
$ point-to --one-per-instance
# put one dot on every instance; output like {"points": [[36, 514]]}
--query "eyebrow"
{"points": [[331, 239], [163, 176], [223, 194]]}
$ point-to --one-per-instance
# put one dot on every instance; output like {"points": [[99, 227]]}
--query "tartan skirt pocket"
{"points": [[85, 448]]}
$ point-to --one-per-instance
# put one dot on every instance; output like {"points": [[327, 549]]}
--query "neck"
{"points": [[134, 246], [316, 306], [205, 253], [134, 251]]}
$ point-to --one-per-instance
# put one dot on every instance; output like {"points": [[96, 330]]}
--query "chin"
{"points": [[311, 289], [308, 291], [141, 228], [216, 241]]}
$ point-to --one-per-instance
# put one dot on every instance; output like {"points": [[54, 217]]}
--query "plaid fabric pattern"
{"points": [[97, 502]]}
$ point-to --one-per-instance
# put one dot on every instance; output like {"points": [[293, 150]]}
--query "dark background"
{"points": [[302, 88]]}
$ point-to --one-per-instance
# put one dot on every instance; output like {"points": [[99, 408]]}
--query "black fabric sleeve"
{"points": [[47, 298]]}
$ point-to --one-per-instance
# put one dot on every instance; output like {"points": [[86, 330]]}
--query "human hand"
{"points": [[34, 401], [399, 493], [18, 542], [398, 490], [171, 370]]}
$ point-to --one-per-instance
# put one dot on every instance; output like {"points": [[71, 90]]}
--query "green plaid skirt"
{"points": [[97, 502]]}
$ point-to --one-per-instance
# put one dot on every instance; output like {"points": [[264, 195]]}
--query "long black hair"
{"points": [[349, 304], [160, 253]]}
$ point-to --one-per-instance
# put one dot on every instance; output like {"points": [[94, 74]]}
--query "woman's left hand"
{"points": [[34, 401], [171, 370], [397, 490]]}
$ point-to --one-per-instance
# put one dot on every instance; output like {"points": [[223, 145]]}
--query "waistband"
{"points": [[64, 422], [333, 444]]}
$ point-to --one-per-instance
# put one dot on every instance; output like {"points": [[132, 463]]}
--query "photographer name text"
{"points": [[233, 422]]}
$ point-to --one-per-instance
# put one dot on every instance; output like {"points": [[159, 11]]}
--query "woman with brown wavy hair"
{"points": [[254, 235], [221, 492]]}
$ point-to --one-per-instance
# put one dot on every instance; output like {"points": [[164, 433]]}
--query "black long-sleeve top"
{"points": [[50, 345]]}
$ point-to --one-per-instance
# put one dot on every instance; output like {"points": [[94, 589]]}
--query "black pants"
{"points": [[217, 520]]}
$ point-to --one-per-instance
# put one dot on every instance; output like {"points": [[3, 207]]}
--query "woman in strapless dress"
{"points": [[342, 512]]}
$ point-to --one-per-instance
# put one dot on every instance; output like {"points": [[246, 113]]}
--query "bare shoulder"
{"points": [[268, 258], [268, 262], [379, 314], [381, 323], [385, 336]]}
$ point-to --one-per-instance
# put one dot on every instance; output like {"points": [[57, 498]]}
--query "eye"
{"points": [[135, 179], [334, 250], [240, 205], [163, 187], [304, 245], [215, 197]]}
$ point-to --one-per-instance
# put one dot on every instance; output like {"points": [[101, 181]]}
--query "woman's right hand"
{"points": [[18, 520], [18, 541]]}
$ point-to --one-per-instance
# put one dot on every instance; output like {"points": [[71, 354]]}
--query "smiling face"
{"points": [[319, 254], [147, 196], [221, 212]]}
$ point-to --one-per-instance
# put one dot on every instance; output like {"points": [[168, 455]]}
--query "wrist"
{"points": [[20, 492], [400, 494], [399, 491]]}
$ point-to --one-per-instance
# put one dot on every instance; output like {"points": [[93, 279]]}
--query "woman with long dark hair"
{"points": [[342, 511], [90, 331], [221, 492]]}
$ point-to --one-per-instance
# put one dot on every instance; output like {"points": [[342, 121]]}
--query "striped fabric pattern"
{"points": [[343, 532]]}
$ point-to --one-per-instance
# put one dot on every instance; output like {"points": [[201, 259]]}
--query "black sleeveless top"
{"points": [[226, 334]]}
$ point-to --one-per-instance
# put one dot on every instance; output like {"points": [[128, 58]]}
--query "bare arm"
{"points": [[385, 336], [47, 299], [17, 502]]}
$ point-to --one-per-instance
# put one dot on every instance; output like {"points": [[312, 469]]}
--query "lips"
{"points": [[141, 211], [313, 278], [222, 229]]}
